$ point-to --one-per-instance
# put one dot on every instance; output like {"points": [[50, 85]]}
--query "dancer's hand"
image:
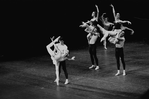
{"points": [[132, 32], [129, 22], [111, 5], [73, 58], [52, 38]]}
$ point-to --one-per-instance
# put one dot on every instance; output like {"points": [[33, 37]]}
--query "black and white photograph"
{"points": [[74, 49]]}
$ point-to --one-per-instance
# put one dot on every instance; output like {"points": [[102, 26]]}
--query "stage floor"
{"points": [[33, 78]]}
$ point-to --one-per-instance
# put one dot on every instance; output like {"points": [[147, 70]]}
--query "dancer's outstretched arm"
{"points": [[84, 24], [97, 13], [121, 21], [132, 31]]}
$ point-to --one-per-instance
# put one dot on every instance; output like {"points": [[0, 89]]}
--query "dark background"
{"points": [[27, 25]]}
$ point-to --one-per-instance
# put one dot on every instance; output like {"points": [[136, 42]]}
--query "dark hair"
{"points": [[61, 39]]}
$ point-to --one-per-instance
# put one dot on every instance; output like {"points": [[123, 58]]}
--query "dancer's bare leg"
{"points": [[50, 51], [105, 43], [105, 33], [57, 73]]}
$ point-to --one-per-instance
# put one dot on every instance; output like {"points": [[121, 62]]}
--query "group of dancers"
{"points": [[115, 36], [60, 53]]}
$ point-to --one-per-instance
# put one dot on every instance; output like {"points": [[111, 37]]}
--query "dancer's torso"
{"points": [[93, 38], [61, 53], [120, 43]]}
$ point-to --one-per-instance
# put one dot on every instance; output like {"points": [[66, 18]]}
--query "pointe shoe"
{"points": [[66, 82], [57, 82], [105, 48], [97, 67], [91, 66]]}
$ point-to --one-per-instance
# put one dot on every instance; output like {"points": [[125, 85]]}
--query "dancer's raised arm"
{"points": [[105, 20], [117, 17], [102, 17], [97, 13], [113, 10]]}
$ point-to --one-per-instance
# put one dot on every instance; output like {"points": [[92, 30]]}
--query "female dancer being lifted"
{"points": [[117, 17], [107, 25], [94, 18]]}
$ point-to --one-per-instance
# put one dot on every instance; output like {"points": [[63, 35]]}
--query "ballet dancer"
{"points": [[119, 52], [64, 53], [94, 18], [92, 38], [107, 25], [119, 41], [117, 17], [57, 56]]}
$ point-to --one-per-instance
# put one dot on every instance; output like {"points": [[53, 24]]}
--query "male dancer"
{"points": [[119, 54], [92, 38]]}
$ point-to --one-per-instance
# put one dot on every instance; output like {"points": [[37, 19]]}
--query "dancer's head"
{"points": [[106, 19], [93, 14], [121, 34], [118, 16], [61, 40], [90, 22]]}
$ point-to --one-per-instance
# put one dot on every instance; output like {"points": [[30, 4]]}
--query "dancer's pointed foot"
{"points": [[105, 48], [57, 81]]}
